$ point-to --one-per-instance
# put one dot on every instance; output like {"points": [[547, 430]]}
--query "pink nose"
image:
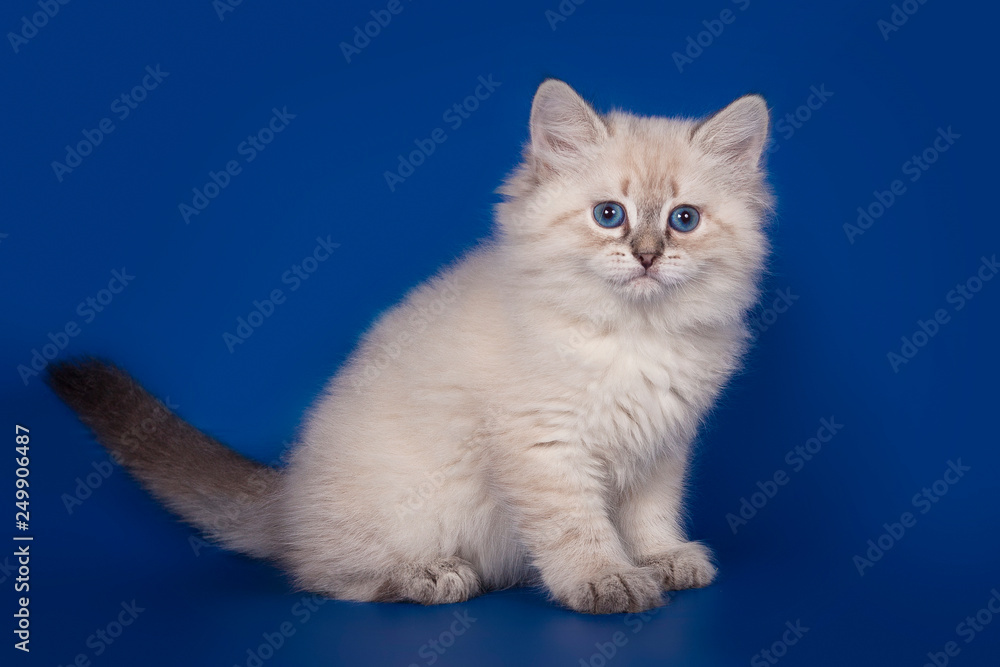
{"points": [[646, 259]]}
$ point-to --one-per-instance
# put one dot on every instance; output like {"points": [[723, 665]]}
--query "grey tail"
{"points": [[227, 496]]}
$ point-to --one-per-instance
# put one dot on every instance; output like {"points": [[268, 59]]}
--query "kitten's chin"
{"points": [[649, 285], [644, 286], [632, 281]]}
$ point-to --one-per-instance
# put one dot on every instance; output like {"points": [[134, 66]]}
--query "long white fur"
{"points": [[528, 414]]}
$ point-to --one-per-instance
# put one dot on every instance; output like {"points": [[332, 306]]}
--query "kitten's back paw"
{"points": [[688, 565], [441, 581], [617, 592]]}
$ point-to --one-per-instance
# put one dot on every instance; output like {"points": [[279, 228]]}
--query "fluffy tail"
{"points": [[227, 496]]}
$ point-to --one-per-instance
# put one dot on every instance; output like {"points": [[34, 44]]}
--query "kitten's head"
{"points": [[653, 211]]}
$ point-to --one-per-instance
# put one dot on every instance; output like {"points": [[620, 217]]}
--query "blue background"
{"points": [[324, 176]]}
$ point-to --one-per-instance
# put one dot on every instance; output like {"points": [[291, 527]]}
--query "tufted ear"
{"points": [[563, 126], [737, 133]]}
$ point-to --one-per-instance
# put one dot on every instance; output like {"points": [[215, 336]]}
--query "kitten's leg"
{"points": [[650, 519], [441, 581], [558, 504]]}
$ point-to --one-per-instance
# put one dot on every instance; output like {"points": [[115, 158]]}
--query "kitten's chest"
{"points": [[643, 395]]}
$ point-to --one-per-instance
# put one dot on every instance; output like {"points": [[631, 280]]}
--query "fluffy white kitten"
{"points": [[527, 415]]}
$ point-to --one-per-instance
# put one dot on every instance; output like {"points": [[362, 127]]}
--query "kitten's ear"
{"points": [[563, 126], [738, 133]]}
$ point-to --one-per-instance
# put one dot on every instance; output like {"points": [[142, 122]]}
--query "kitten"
{"points": [[527, 415]]}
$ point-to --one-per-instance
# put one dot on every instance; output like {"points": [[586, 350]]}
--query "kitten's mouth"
{"points": [[655, 277], [650, 281], [645, 282], [653, 272]]}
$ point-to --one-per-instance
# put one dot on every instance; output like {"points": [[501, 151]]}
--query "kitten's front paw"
{"points": [[442, 581], [688, 565], [616, 592]]}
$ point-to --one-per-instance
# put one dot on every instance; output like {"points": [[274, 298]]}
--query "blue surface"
{"points": [[323, 176]]}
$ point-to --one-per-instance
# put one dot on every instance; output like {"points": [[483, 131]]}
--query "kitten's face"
{"points": [[646, 207], [650, 213]]}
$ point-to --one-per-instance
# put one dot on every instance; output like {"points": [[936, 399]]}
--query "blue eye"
{"points": [[684, 218], [609, 214]]}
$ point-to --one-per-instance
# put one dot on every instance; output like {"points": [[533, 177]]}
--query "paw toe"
{"points": [[617, 592], [442, 581], [686, 566]]}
